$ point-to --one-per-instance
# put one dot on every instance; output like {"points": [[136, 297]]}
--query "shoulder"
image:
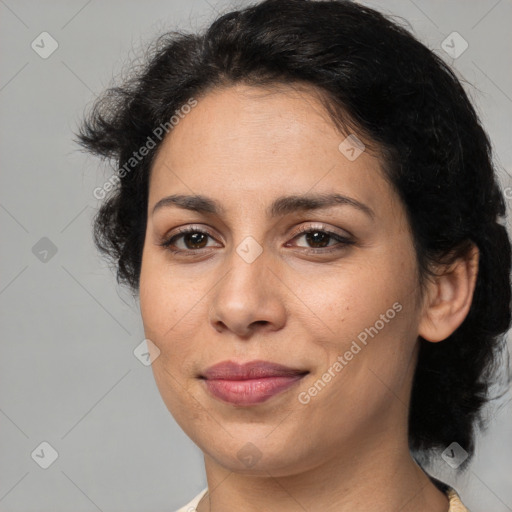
{"points": [[191, 505]]}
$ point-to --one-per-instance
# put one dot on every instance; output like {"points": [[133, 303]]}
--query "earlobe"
{"points": [[449, 298]]}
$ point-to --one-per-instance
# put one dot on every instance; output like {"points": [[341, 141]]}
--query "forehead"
{"points": [[248, 143]]}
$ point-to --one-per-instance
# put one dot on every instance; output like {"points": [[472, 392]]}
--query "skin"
{"points": [[347, 448]]}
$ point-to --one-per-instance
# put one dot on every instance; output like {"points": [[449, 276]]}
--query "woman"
{"points": [[307, 210]]}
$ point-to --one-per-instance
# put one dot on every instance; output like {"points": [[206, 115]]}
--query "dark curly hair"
{"points": [[379, 80]]}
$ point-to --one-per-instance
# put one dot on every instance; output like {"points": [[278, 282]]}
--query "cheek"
{"points": [[381, 318], [162, 296], [173, 310], [167, 314], [352, 297], [370, 310]]}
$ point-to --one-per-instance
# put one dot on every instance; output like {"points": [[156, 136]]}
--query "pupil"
{"points": [[194, 237], [315, 234]]}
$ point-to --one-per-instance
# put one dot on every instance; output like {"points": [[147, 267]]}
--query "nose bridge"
{"points": [[248, 255], [247, 293], [247, 265]]}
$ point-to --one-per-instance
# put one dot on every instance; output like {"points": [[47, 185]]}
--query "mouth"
{"points": [[250, 383]]}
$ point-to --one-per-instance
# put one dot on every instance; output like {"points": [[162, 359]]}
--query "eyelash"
{"points": [[168, 243]]}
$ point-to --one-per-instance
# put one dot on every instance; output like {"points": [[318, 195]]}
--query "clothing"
{"points": [[455, 503], [191, 506]]}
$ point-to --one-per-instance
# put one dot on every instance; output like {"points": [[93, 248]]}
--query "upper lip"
{"points": [[230, 370]]}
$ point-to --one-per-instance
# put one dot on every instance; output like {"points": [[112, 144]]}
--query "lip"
{"points": [[250, 383]]}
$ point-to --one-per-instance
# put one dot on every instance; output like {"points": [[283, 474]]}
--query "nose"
{"points": [[249, 297]]}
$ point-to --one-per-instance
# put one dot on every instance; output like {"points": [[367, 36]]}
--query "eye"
{"points": [[319, 237], [196, 239]]}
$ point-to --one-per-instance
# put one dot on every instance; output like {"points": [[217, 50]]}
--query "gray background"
{"points": [[68, 374]]}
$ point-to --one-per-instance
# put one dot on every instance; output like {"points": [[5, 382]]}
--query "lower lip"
{"points": [[251, 391]]}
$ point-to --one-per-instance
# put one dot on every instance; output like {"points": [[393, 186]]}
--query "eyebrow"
{"points": [[282, 206]]}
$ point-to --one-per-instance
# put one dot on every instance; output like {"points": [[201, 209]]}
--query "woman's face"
{"points": [[254, 288]]}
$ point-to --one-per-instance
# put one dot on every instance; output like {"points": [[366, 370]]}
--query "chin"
{"points": [[257, 455]]}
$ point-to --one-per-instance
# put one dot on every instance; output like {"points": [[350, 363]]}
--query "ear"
{"points": [[449, 297]]}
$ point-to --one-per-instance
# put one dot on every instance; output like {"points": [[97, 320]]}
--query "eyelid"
{"points": [[321, 227]]}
